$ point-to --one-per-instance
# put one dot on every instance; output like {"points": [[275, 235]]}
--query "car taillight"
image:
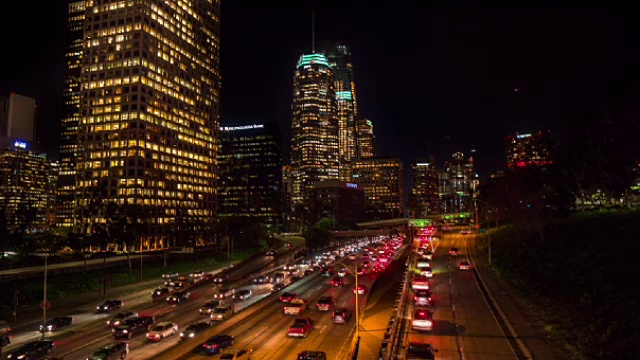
{"points": [[55, 343]]}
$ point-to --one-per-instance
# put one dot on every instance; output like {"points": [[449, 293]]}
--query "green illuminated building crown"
{"points": [[311, 59]]}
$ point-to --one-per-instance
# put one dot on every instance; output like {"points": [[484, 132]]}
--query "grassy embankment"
{"points": [[581, 276]]}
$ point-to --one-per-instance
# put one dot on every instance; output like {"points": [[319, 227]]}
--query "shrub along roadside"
{"points": [[579, 276], [31, 291]]}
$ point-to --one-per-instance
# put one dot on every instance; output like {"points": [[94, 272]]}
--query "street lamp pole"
{"points": [[355, 274], [44, 300]]}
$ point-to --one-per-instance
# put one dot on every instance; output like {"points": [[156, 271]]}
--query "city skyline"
{"points": [[431, 80]]}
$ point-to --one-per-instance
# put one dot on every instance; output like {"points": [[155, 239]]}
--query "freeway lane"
{"points": [[464, 326]]}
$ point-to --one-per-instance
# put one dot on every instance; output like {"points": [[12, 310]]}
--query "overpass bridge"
{"points": [[387, 226]]}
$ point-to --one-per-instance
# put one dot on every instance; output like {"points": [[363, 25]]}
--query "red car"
{"points": [[287, 297], [454, 251], [361, 289], [301, 327], [337, 281]]}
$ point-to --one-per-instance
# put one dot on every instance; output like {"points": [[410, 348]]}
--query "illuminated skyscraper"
{"points": [[71, 114], [529, 150], [425, 188], [366, 139], [314, 126], [458, 184], [148, 110], [339, 57], [383, 182]]}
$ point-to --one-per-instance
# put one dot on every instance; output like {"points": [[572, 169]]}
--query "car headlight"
{"points": [[192, 335], [125, 331], [50, 327]]}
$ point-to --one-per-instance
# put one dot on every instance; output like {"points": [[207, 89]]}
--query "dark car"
{"points": [[220, 279], [208, 307], [287, 297], [56, 323], [278, 287], [170, 275], [192, 329], [422, 297], [118, 350], [120, 318], [420, 351], [160, 292], [178, 296], [109, 305], [326, 271], [341, 316], [33, 350], [326, 303], [215, 344], [261, 279], [133, 326], [270, 252], [312, 355]]}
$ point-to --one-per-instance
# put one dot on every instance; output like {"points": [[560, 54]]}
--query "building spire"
{"points": [[313, 32]]}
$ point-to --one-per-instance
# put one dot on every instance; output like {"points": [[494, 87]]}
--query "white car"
{"points": [[342, 272], [161, 330]]}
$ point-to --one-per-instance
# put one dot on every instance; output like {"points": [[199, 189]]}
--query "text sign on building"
{"points": [[352, 185], [20, 144], [521, 136], [243, 127]]}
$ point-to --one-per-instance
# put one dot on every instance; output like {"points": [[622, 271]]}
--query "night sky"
{"points": [[433, 81]]}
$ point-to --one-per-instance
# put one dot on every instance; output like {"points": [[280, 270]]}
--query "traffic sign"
{"points": [[45, 304]]}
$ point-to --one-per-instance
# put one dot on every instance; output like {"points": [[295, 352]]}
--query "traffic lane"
{"points": [[443, 336], [481, 335]]}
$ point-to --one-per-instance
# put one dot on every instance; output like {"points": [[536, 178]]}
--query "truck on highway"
{"points": [[296, 306]]}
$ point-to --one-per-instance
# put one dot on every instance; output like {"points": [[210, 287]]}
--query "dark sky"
{"points": [[433, 80]]}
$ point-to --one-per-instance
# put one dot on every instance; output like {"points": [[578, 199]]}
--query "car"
{"points": [[181, 283], [422, 297], [301, 327], [366, 264], [464, 265], [270, 252], [326, 303], [224, 293], [426, 271], [56, 323], [178, 297], [312, 355], [278, 287], [170, 275], [360, 270], [109, 305], [242, 295], [454, 251], [342, 272], [222, 312], [161, 330], [361, 289], [428, 255], [277, 277], [220, 279], [133, 326], [353, 256], [341, 315], [117, 350], [337, 281], [465, 232], [192, 329], [208, 307], [308, 271], [378, 269], [33, 350], [261, 279], [217, 343], [420, 283], [160, 292], [420, 351], [197, 274], [120, 318], [236, 354], [294, 279], [326, 271], [287, 297], [422, 320]]}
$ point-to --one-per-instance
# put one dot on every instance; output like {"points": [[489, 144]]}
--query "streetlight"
{"points": [[355, 274], [475, 206], [44, 300]]}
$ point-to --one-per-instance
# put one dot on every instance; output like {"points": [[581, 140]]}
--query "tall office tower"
{"points": [[149, 111], [18, 118], [526, 150], [250, 163], [458, 184], [383, 183], [425, 188], [314, 126], [70, 114], [339, 57], [26, 191], [366, 139]]}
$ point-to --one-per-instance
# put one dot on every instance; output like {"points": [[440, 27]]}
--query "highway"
{"points": [[464, 325]]}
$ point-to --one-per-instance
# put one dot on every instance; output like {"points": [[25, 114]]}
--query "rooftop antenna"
{"points": [[313, 33]]}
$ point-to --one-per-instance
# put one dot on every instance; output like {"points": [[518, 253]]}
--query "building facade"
{"points": [[383, 182], [530, 149], [339, 57], [27, 187], [148, 110], [338, 200], [70, 114], [250, 163], [18, 118], [424, 189], [314, 127], [366, 139], [457, 185]]}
